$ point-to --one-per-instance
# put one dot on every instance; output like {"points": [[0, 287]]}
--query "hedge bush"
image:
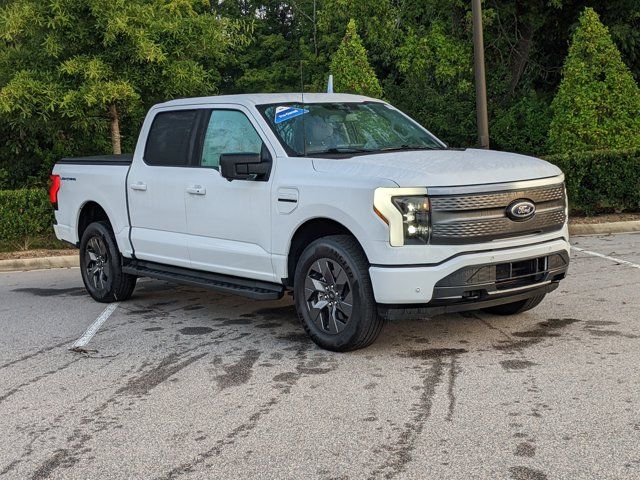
{"points": [[25, 213], [602, 181]]}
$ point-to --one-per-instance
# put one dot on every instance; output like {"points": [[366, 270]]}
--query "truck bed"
{"points": [[124, 159], [86, 181]]}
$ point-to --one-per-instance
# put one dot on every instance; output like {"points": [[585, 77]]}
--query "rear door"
{"points": [[156, 186], [229, 223]]}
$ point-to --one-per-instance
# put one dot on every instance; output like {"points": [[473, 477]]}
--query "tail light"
{"points": [[54, 189]]}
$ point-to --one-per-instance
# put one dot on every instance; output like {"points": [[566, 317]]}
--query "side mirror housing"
{"points": [[246, 166]]}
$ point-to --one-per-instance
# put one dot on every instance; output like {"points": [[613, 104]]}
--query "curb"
{"points": [[26, 264], [604, 228]]}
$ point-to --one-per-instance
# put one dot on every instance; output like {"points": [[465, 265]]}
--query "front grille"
{"points": [[498, 199], [475, 218], [493, 278]]}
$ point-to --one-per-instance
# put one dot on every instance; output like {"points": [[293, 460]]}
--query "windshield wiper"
{"points": [[342, 150], [408, 147], [348, 150]]}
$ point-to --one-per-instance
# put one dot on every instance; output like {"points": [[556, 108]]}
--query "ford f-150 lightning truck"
{"points": [[343, 200]]}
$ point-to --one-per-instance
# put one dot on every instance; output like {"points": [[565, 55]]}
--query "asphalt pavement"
{"points": [[184, 383]]}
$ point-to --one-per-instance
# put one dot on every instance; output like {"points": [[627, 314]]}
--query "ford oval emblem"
{"points": [[521, 210]]}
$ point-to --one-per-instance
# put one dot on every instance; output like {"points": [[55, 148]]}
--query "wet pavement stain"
{"points": [[53, 292], [236, 321], [596, 332], [599, 323], [153, 329], [193, 307], [433, 353], [526, 473], [287, 378], [140, 311], [401, 450], [245, 428], [433, 366], [238, 373], [543, 330], [288, 312], [62, 458], [163, 304], [36, 353], [269, 325], [454, 370], [147, 381], [195, 330], [525, 449], [295, 338], [36, 379], [517, 364], [547, 329]]}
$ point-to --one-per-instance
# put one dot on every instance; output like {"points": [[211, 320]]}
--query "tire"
{"points": [[333, 295], [101, 265], [515, 307]]}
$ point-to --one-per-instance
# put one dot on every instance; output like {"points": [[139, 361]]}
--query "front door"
{"points": [[229, 223], [156, 188]]}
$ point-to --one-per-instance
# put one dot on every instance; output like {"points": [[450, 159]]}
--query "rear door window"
{"points": [[172, 138]]}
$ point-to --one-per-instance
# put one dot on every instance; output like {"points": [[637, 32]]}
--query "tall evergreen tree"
{"points": [[598, 103], [350, 66]]}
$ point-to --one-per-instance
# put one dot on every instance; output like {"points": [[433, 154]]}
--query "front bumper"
{"points": [[418, 285]]}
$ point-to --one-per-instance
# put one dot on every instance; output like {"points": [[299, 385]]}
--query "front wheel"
{"points": [[333, 295], [101, 265], [515, 307]]}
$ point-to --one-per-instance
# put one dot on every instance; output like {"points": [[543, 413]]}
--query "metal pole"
{"points": [[481, 83]]}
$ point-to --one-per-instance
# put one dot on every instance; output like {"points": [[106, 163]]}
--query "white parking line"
{"points": [[613, 259], [95, 326]]}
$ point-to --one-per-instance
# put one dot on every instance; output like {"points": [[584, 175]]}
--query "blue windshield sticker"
{"points": [[287, 113]]}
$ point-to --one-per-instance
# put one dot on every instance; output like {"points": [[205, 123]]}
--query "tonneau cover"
{"points": [[124, 159]]}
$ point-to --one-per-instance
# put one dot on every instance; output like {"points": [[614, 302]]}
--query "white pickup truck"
{"points": [[344, 200]]}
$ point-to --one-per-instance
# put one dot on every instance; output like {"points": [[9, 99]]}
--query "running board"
{"points": [[245, 287]]}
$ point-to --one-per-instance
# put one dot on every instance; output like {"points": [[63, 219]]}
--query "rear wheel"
{"points": [[101, 265], [515, 307], [333, 295]]}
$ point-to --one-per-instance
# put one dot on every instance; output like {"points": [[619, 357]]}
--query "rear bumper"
{"points": [[418, 285], [65, 233]]}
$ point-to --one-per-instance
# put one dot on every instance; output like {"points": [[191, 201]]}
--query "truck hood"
{"points": [[441, 168]]}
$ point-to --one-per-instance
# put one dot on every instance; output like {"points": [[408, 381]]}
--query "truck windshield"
{"points": [[345, 129]]}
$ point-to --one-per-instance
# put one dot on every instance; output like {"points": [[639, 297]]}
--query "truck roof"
{"points": [[252, 99]]}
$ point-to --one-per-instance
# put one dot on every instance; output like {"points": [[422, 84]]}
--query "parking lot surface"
{"points": [[185, 383]]}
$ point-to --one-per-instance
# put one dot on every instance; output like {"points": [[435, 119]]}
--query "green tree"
{"points": [[89, 64], [435, 81], [350, 66], [598, 103]]}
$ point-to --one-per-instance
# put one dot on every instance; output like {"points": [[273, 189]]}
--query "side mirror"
{"points": [[246, 166]]}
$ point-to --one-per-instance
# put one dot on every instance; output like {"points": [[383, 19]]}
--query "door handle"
{"points": [[139, 186], [196, 190]]}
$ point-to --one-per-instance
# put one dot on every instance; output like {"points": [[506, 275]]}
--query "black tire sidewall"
{"points": [[100, 230], [516, 307], [325, 248]]}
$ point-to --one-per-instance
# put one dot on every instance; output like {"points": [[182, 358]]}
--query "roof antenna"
{"points": [[304, 130], [330, 84]]}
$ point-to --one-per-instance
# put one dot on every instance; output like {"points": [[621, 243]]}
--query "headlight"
{"points": [[406, 211], [415, 218]]}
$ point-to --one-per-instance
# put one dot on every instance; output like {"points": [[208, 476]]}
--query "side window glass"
{"points": [[170, 138], [229, 131]]}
